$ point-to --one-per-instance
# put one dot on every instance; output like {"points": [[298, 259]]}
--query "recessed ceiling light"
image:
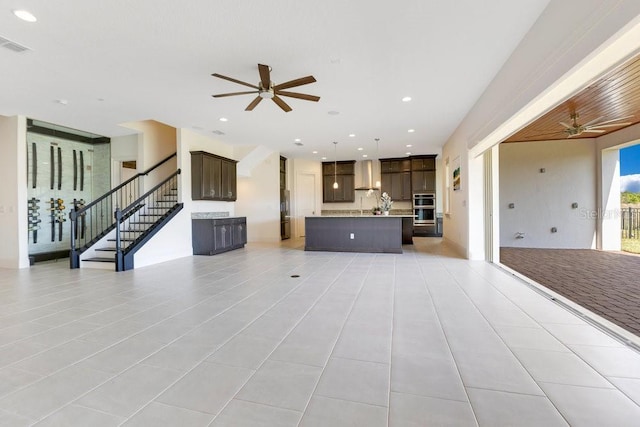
{"points": [[351, 135], [324, 158], [25, 15], [314, 152], [297, 140], [406, 99], [408, 153], [333, 113], [411, 130], [408, 145], [223, 119], [360, 148], [364, 155]]}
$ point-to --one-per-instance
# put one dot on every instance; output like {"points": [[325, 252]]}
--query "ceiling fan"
{"points": [[266, 89], [593, 126]]}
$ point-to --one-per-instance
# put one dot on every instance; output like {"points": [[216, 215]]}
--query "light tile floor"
{"points": [[417, 339]]}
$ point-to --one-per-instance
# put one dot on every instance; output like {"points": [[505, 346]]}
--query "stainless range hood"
{"points": [[367, 180]]}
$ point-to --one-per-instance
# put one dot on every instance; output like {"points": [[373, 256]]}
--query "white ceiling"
{"points": [[120, 61]]}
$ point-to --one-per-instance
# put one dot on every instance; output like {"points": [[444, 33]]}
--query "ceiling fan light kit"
{"points": [[266, 89]]}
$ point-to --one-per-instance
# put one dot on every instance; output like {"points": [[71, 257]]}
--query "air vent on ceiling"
{"points": [[13, 46], [217, 132]]}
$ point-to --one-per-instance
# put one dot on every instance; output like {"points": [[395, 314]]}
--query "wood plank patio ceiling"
{"points": [[615, 95]]}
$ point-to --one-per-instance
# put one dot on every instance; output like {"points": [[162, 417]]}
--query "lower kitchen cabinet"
{"points": [[213, 236]]}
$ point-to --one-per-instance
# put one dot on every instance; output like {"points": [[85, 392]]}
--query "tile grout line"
{"points": [[203, 360], [116, 343], [370, 262]]}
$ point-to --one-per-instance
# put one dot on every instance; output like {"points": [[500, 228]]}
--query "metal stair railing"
{"points": [[154, 200], [91, 222]]}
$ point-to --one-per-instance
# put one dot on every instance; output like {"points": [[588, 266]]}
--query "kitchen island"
{"points": [[371, 233]]}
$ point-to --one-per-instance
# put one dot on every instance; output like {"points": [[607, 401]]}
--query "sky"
{"points": [[630, 169]]}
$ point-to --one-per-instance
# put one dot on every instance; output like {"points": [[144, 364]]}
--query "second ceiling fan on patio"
{"points": [[266, 89], [593, 126]]}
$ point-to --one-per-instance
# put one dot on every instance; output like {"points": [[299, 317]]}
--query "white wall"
{"points": [[156, 142], [124, 148], [259, 198], [303, 167], [571, 44], [13, 195], [455, 222], [543, 200]]}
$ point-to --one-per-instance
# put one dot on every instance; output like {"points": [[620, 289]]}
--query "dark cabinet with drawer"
{"points": [[212, 177], [213, 236]]}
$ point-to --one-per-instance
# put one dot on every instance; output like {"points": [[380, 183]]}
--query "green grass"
{"points": [[631, 245]]}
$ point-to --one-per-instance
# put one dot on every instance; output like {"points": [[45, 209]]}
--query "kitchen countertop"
{"points": [[213, 215], [362, 216]]}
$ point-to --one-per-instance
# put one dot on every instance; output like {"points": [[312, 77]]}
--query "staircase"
{"points": [[106, 237]]}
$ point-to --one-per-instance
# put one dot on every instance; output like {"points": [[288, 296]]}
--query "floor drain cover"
{"points": [[295, 275]]}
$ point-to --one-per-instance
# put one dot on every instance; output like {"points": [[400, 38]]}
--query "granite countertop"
{"points": [[212, 215], [367, 215]]}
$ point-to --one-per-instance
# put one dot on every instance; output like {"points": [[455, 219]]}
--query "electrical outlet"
{"points": [[352, 236]]}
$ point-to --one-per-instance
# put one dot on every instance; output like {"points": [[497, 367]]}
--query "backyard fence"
{"points": [[631, 223]]}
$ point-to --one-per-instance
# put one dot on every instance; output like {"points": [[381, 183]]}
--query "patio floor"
{"points": [[607, 283]]}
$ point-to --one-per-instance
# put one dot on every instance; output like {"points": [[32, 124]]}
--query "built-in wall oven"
{"points": [[424, 209]]}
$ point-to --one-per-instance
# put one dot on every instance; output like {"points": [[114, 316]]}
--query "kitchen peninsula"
{"points": [[356, 233]]}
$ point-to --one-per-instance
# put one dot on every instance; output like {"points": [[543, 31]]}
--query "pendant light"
{"points": [[378, 160], [335, 165]]}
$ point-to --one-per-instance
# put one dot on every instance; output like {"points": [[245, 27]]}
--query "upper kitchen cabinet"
{"points": [[396, 178], [283, 173], [343, 173], [423, 163], [212, 177], [395, 165], [423, 174]]}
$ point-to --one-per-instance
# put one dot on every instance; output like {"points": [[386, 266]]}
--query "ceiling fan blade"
{"points": [[594, 131], [566, 125], [297, 82], [281, 104], [299, 95], [613, 120], [612, 125], [253, 104], [220, 76], [593, 121], [265, 76], [222, 95]]}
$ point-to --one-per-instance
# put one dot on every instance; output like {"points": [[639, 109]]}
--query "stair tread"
{"points": [[100, 259], [122, 239], [106, 249]]}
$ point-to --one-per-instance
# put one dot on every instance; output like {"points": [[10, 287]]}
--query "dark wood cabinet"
{"points": [[423, 163], [344, 175], [395, 165], [213, 236], [423, 174], [396, 178], [283, 173], [423, 181], [212, 177]]}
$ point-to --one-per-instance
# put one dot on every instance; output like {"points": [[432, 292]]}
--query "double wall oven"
{"points": [[424, 209]]}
